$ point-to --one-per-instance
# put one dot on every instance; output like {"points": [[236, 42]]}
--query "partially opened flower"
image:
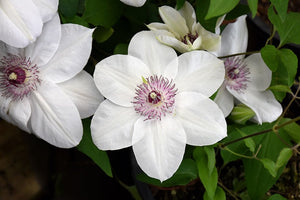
{"points": [[157, 103], [21, 22], [43, 89], [135, 3], [182, 32], [247, 79]]}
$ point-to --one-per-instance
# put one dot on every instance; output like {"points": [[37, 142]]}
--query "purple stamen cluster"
{"points": [[155, 97], [189, 37], [237, 74], [18, 77]]}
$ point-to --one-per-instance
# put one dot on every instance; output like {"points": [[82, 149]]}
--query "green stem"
{"points": [[271, 36], [237, 154], [238, 54]]}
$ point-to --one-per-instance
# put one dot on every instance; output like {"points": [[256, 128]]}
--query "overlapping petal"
{"points": [[47, 8], [135, 3], [224, 100]]}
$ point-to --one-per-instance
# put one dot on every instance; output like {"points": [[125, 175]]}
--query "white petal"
{"points": [[55, 117], [135, 3], [158, 26], [155, 55], [234, 37], [160, 152], [173, 19], [224, 100], [210, 41], [260, 74], [264, 104], [199, 71], [188, 13], [83, 92], [201, 118], [171, 41], [112, 126], [219, 23], [20, 22], [16, 112], [41, 51], [118, 76], [47, 8], [72, 54]]}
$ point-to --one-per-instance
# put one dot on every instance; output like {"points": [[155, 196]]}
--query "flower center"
{"points": [[18, 77], [189, 38], [155, 97], [237, 74]]}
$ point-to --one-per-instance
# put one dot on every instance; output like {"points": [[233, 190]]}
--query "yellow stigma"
{"points": [[236, 71], [153, 95], [13, 76]]}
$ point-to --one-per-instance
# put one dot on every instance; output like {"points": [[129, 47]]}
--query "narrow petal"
{"points": [[155, 55], [83, 92], [158, 26], [234, 37], [118, 76], [260, 74], [47, 8], [72, 54], [55, 117], [112, 126], [199, 71], [188, 13], [224, 100], [173, 42], [16, 112], [219, 23], [173, 19], [264, 104], [46, 45], [210, 41], [201, 118], [160, 152], [135, 3], [20, 22]]}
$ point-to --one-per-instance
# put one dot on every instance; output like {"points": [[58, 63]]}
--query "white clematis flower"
{"points": [[157, 103], [247, 79], [43, 89], [22, 21], [135, 3], [182, 32]]}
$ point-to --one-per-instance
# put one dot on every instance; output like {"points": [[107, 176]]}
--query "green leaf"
{"points": [[240, 114], [201, 10], [271, 57], [293, 130], [101, 34], [132, 190], [253, 6], [284, 156], [269, 165], [186, 172], [121, 49], [280, 88], [68, 8], [211, 157], [220, 195], [281, 8], [249, 142], [87, 147], [179, 4], [288, 29], [103, 13], [276, 197], [209, 180], [220, 7]]}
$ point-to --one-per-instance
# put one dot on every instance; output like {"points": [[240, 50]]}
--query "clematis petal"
{"points": [[201, 118], [260, 74], [210, 41], [264, 104], [224, 100], [173, 42], [20, 22], [83, 92], [72, 54], [16, 112], [188, 13], [219, 23], [173, 19], [155, 55], [135, 3], [55, 117], [47, 8], [199, 71], [46, 45], [160, 152], [117, 77], [112, 126], [159, 26], [234, 37]]}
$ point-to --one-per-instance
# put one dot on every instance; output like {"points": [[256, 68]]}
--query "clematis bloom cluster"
{"points": [[157, 103], [43, 87]]}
